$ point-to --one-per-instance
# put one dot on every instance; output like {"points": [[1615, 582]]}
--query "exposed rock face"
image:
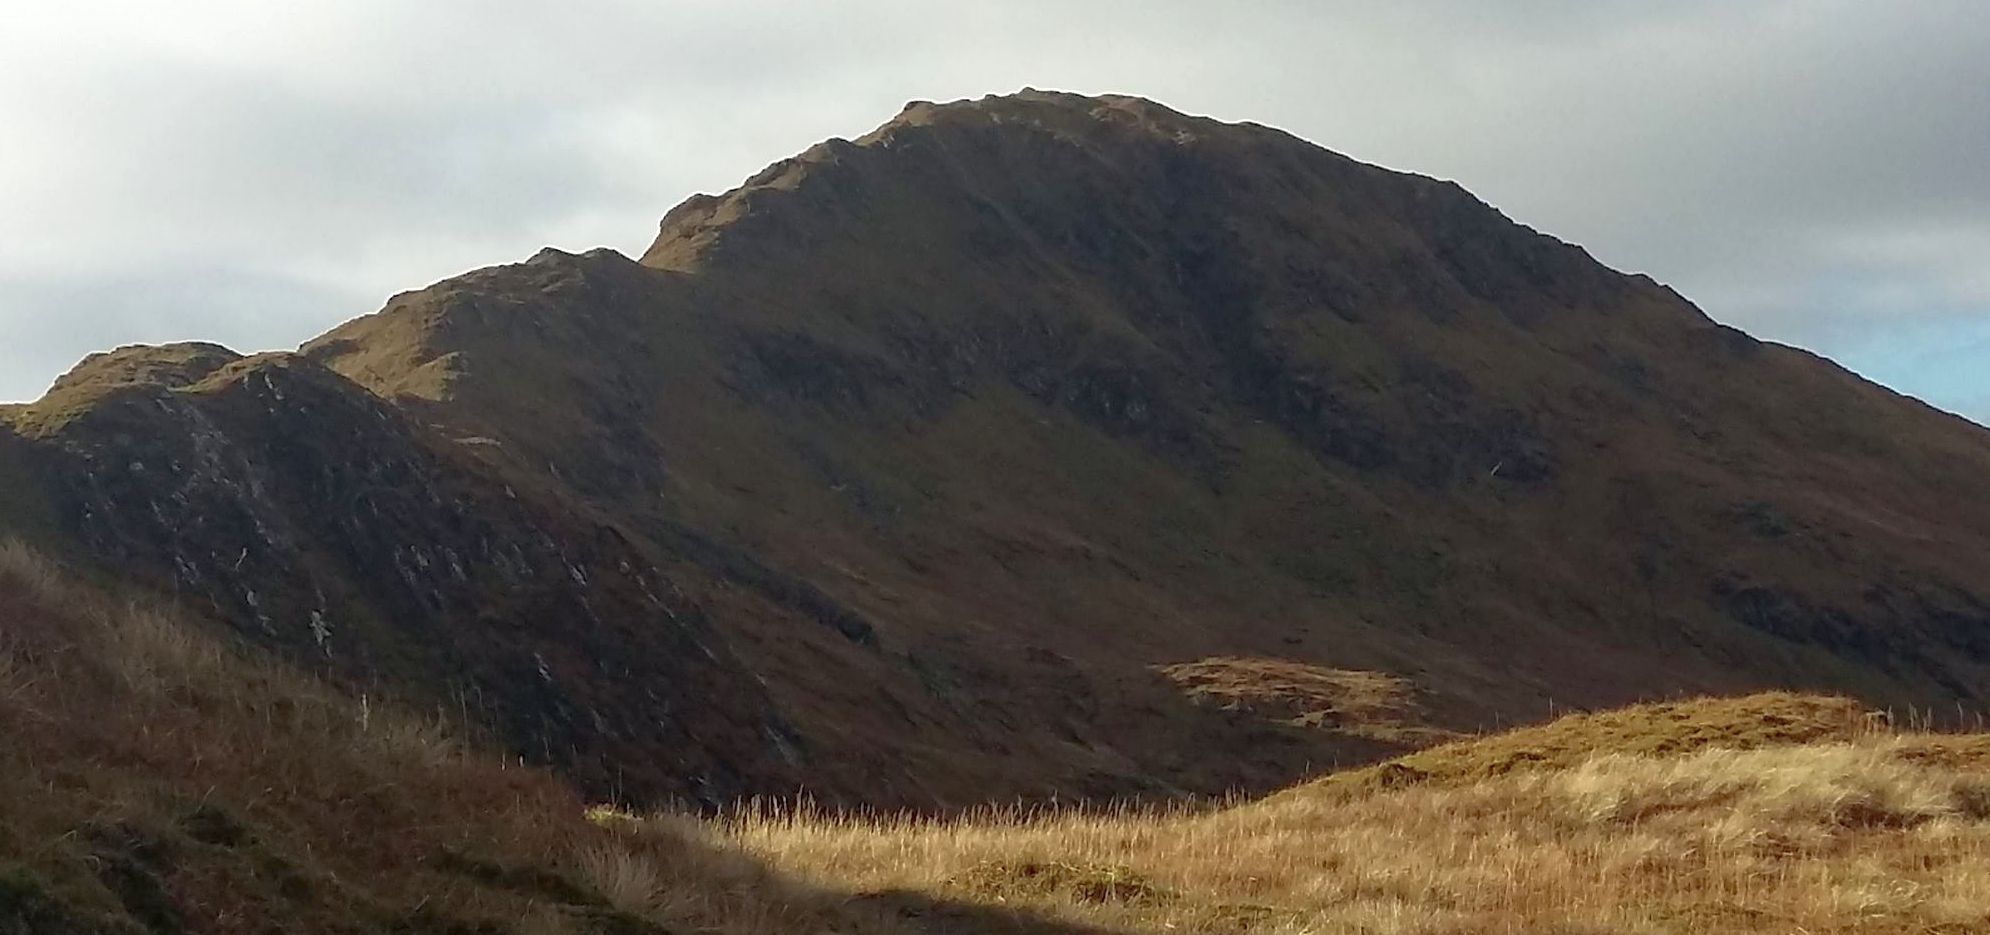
{"points": [[903, 471], [323, 522]]}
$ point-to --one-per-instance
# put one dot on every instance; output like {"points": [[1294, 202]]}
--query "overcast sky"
{"points": [[1815, 171]]}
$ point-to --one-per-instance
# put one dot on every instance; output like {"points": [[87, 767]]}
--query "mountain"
{"points": [[1035, 445]]}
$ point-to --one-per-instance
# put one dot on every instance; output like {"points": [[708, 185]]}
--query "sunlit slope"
{"points": [[1773, 813]]}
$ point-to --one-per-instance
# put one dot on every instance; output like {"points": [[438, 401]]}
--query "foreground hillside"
{"points": [[1038, 446], [1720, 823], [155, 782]]}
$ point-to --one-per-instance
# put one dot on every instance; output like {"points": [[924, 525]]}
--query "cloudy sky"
{"points": [[1816, 171]]}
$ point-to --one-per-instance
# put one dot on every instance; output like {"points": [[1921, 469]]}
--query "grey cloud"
{"points": [[1808, 169], [64, 320]]}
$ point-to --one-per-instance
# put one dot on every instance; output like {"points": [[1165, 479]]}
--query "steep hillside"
{"points": [[323, 522], [155, 781], [1041, 445]]}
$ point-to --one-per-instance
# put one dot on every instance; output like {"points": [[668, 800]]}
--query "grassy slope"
{"points": [[1704, 816], [155, 781], [1699, 817]]}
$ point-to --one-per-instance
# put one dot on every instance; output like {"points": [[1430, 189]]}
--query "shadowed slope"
{"points": [[319, 520]]}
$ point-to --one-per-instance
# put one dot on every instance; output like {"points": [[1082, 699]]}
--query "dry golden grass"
{"points": [[1671, 728], [153, 773], [1349, 701], [1868, 832], [1851, 837]]}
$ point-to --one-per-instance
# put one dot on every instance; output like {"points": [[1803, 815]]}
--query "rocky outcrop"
{"points": [[321, 520]]}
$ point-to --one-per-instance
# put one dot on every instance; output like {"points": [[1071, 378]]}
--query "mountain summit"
{"points": [[1035, 445]]}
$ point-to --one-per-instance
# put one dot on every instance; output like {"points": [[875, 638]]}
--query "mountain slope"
{"points": [[964, 441], [270, 492], [157, 781]]}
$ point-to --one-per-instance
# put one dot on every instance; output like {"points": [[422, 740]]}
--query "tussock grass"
{"points": [[1857, 830], [154, 777], [28, 574], [216, 782], [1671, 728]]}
